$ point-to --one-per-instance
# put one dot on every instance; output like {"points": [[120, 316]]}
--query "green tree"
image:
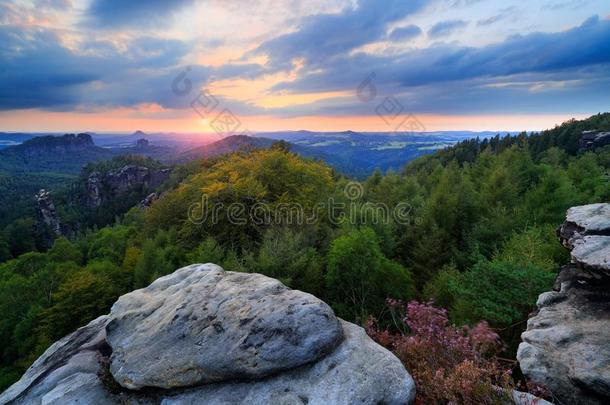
{"points": [[82, 298], [285, 255], [65, 251], [360, 277], [20, 234], [501, 292], [208, 251]]}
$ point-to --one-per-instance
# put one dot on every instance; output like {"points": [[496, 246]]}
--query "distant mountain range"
{"points": [[68, 153], [353, 153]]}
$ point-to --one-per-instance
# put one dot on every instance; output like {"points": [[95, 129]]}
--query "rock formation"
{"points": [[68, 143], [102, 187], [566, 346], [149, 199], [46, 212], [206, 336], [592, 140]]}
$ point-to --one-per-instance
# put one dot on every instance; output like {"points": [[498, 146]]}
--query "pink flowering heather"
{"points": [[449, 364]]}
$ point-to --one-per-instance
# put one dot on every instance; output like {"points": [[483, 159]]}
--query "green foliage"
{"points": [[77, 301], [536, 246], [20, 234], [276, 179], [360, 277], [500, 292], [65, 251], [109, 243], [439, 289], [5, 252], [285, 255], [208, 252]]}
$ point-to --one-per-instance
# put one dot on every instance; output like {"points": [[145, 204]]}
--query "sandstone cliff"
{"points": [[566, 346], [102, 187]]}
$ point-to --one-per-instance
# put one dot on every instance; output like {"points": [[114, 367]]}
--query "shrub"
{"points": [[449, 364]]}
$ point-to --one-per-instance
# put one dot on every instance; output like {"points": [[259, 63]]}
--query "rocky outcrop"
{"points": [[149, 199], [206, 336], [68, 143], [566, 346], [592, 140], [102, 187], [46, 212]]}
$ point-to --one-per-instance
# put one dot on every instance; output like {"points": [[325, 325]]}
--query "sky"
{"points": [[239, 66]]}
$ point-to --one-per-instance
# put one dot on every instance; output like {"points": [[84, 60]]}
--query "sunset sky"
{"points": [[186, 65]]}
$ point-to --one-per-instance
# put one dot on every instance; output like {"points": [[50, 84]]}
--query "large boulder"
{"points": [[202, 324], [566, 346], [260, 342]]}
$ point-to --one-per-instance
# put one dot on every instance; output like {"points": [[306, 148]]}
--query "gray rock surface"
{"points": [[523, 398], [592, 219], [592, 253], [77, 353], [76, 369], [202, 324], [566, 346], [359, 371]]}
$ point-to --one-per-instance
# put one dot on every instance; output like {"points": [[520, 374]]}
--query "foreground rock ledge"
{"points": [[566, 346], [205, 336]]}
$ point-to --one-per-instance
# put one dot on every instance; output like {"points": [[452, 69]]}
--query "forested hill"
{"points": [[566, 137], [471, 227]]}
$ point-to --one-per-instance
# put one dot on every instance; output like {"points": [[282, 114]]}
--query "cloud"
{"points": [[405, 33], [445, 28], [571, 4], [39, 72], [582, 47], [134, 13], [502, 15], [323, 36]]}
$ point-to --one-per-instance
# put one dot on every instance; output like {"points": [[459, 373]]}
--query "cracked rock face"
{"points": [[303, 353], [202, 324], [566, 346]]}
